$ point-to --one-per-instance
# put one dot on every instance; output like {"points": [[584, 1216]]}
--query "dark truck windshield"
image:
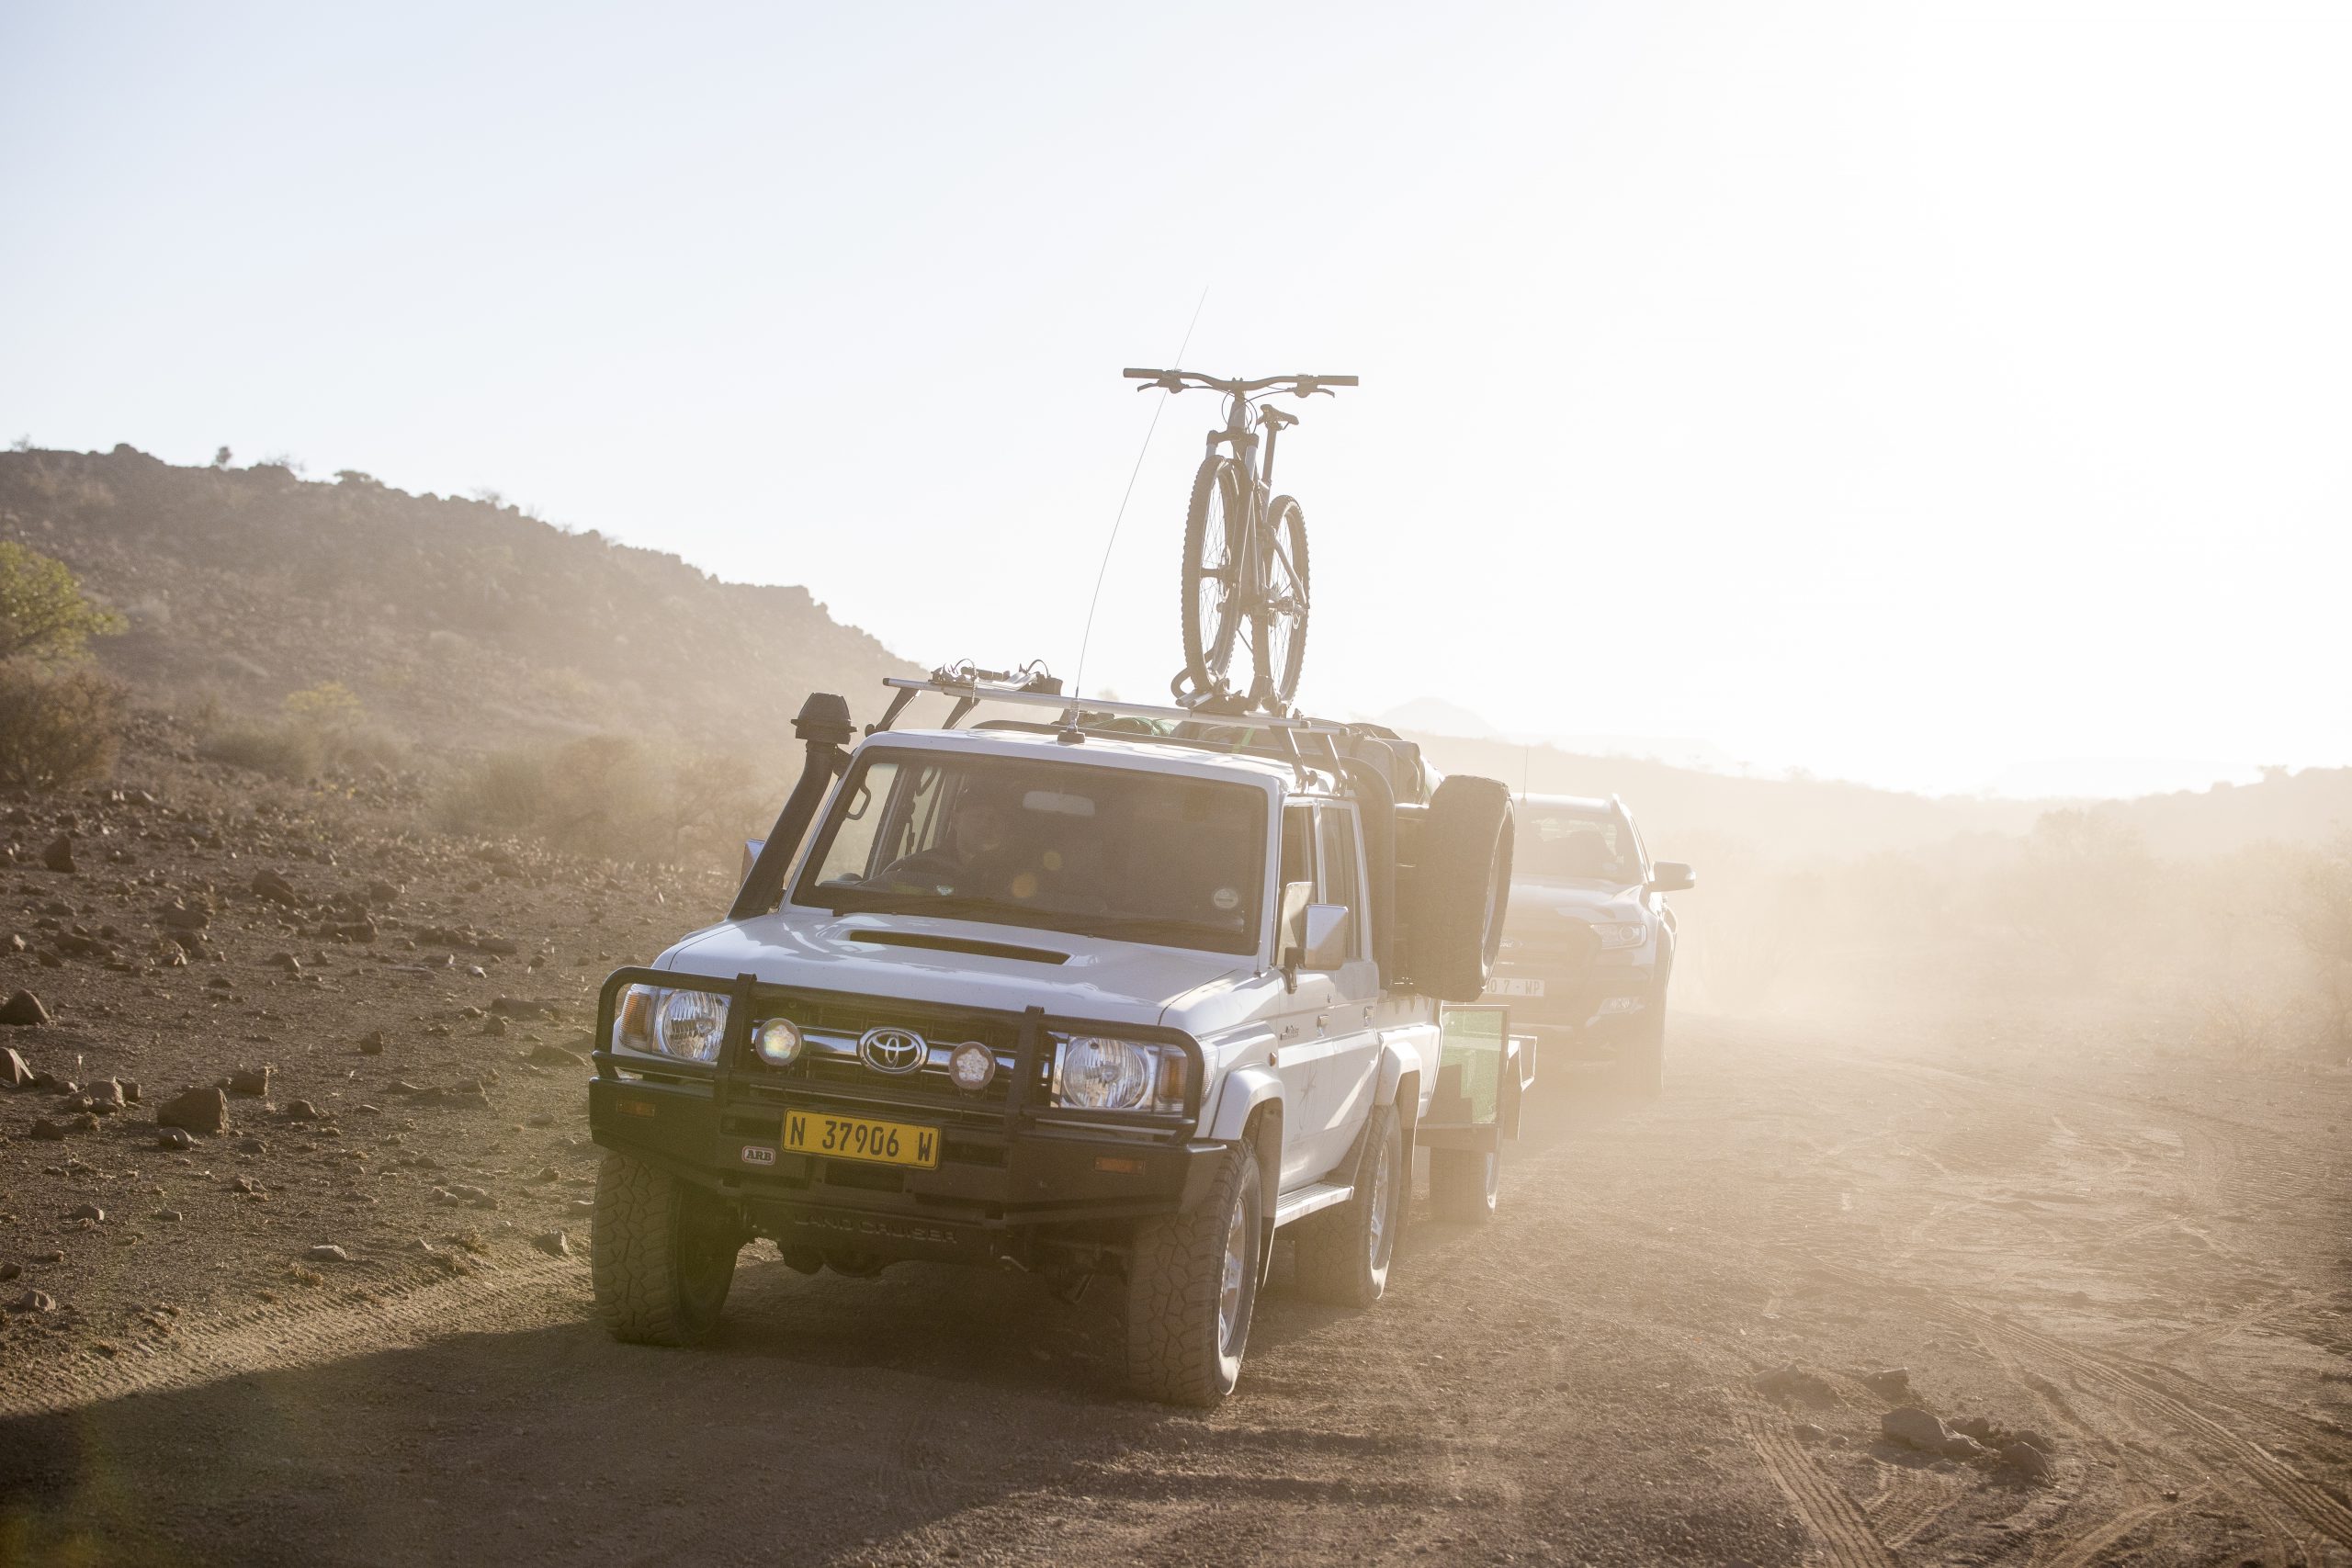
{"points": [[1100, 851], [1575, 846]]}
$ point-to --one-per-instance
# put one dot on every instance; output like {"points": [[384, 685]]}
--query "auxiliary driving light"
{"points": [[777, 1042], [972, 1066]]}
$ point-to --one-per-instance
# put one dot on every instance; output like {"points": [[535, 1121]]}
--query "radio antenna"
{"points": [[1078, 682]]}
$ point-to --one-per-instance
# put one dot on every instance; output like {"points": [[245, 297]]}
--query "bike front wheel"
{"points": [[1278, 612], [1214, 528]]}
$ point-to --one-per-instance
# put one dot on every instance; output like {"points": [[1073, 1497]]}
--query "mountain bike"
{"points": [[1245, 547]]}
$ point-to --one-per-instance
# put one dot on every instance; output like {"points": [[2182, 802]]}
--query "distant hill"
{"points": [[461, 624], [1800, 819]]}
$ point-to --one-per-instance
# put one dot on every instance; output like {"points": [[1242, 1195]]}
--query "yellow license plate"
{"points": [[855, 1138]]}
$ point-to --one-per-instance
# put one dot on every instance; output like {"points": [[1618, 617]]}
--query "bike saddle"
{"points": [[1278, 419]]}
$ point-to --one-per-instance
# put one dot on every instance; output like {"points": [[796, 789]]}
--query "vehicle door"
{"points": [[1302, 1024], [1351, 1045]]}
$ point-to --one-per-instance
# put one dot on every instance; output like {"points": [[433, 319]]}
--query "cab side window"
{"points": [[1339, 884], [1298, 844]]}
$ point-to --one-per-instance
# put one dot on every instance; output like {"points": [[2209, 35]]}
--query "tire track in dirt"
{"points": [[2320, 1509], [1830, 1517], [1910, 1502], [522, 1289]]}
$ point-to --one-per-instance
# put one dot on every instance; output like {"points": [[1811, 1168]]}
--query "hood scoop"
{"points": [[960, 945]]}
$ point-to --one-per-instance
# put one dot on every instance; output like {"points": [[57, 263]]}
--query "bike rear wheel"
{"points": [[1212, 600], [1278, 616]]}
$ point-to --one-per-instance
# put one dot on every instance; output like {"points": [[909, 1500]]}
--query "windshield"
{"points": [[1100, 851], [1575, 846]]}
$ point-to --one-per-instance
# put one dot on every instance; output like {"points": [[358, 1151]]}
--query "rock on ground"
{"points": [[198, 1110], [23, 1009], [1915, 1428]]}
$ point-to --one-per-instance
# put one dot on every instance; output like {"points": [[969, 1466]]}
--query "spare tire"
{"points": [[1459, 885]]}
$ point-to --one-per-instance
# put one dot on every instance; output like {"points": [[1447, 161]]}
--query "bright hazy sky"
{"points": [[1948, 396]]}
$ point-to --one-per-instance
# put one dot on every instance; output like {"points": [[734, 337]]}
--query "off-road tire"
{"points": [[1343, 1257], [1459, 889], [1641, 1059], [1176, 1278], [1464, 1185], [1208, 650], [1276, 684], [663, 1257]]}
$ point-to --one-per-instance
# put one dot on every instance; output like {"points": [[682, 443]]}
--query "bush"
{"points": [[43, 612], [57, 727], [282, 751]]}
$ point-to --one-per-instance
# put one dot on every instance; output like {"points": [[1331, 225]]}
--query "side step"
{"points": [[1310, 1200]]}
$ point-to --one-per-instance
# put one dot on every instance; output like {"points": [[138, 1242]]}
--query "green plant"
{"points": [[43, 612], [329, 708], [58, 728]]}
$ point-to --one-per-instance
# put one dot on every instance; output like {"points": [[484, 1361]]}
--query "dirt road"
{"points": [[2139, 1256]]}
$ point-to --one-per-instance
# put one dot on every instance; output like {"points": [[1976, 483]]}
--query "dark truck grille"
{"points": [[830, 1057], [1549, 948]]}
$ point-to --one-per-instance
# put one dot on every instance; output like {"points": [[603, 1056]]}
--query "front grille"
{"points": [[1549, 947], [830, 1059]]}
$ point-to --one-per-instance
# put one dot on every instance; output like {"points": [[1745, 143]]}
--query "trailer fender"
{"points": [[1406, 1051]]}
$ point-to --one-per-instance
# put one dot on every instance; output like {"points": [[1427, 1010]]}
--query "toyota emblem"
{"points": [[894, 1051]]}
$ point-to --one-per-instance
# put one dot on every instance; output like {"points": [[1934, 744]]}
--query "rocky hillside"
{"points": [[460, 624]]}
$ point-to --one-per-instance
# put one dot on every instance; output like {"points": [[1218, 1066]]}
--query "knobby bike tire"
{"points": [[1277, 668], [1208, 648]]}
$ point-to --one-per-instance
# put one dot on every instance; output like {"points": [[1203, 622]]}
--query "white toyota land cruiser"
{"points": [[1127, 992]]}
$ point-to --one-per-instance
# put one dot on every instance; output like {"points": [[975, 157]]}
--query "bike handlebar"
{"points": [[1182, 381]]}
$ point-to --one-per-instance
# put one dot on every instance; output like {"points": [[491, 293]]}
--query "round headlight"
{"points": [[1104, 1075], [777, 1042], [972, 1066], [690, 1024]]}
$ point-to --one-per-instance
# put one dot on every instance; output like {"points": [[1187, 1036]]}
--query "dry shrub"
{"points": [[280, 751], [58, 728], [323, 731]]}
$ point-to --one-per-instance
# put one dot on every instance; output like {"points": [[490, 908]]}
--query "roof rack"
{"points": [[1079, 718]]}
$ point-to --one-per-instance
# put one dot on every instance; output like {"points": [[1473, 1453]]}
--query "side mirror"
{"points": [[1672, 876], [1290, 933], [1328, 935]]}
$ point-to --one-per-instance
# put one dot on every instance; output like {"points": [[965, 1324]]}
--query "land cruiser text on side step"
{"points": [[1110, 991]]}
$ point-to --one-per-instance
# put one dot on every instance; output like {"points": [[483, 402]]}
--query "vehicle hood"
{"points": [[1117, 982], [1583, 898]]}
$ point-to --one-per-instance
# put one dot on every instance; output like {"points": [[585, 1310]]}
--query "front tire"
{"points": [[1192, 1289], [663, 1257], [1641, 1061], [1343, 1256]]}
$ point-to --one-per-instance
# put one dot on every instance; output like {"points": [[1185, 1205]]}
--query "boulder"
{"points": [[1895, 1382], [23, 1011], [59, 856], [1915, 1428], [251, 1082], [174, 1138], [2025, 1460], [269, 885], [197, 1109]]}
